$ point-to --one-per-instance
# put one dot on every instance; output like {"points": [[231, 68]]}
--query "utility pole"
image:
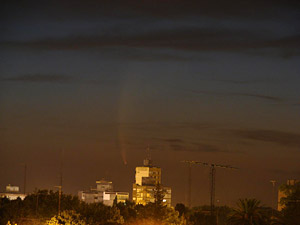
{"points": [[273, 196], [212, 177], [60, 186], [59, 198], [218, 208], [25, 174], [61, 169], [190, 186], [212, 188]]}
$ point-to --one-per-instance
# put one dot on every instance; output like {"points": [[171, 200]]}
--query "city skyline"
{"points": [[205, 81]]}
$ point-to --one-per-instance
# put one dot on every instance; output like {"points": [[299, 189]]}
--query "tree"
{"points": [[171, 216], [248, 212], [181, 209], [127, 210], [40, 205], [66, 218], [291, 212], [159, 195], [159, 207], [200, 217], [98, 213], [148, 215]]}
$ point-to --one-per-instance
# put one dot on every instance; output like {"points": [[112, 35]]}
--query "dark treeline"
{"points": [[41, 207]]}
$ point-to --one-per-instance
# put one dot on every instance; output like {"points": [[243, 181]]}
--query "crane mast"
{"points": [[212, 178]]}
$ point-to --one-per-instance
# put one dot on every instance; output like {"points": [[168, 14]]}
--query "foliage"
{"points": [[291, 211], [127, 210], [159, 195], [200, 216], [41, 204], [222, 213], [167, 215], [181, 209], [66, 218], [249, 212], [98, 213], [171, 217]]}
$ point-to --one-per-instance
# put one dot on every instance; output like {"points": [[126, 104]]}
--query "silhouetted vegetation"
{"points": [[41, 208], [291, 212], [248, 212]]}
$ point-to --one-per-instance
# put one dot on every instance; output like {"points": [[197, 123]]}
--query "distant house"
{"points": [[12, 193], [103, 193]]}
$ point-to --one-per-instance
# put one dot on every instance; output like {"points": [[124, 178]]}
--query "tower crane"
{"points": [[213, 167], [189, 197]]}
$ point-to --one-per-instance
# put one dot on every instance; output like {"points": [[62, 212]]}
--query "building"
{"points": [[103, 193], [147, 177], [12, 193], [282, 194]]}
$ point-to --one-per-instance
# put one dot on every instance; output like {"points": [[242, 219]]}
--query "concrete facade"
{"points": [[103, 193], [147, 178]]}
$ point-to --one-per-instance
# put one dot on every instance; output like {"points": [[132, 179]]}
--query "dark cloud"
{"points": [[139, 54], [250, 81], [285, 172], [39, 78], [266, 97], [55, 78], [196, 147], [176, 147], [207, 148], [173, 140], [222, 94], [187, 125], [296, 104], [169, 126], [177, 25], [273, 136], [177, 144], [187, 39], [92, 9]]}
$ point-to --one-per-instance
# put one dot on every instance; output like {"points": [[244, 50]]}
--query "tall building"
{"points": [[103, 193], [147, 177], [282, 194]]}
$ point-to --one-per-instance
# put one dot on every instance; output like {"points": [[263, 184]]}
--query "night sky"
{"points": [[213, 81]]}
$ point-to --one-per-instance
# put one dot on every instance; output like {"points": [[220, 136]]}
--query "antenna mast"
{"points": [[148, 161]]}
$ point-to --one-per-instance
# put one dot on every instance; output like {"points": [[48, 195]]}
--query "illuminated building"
{"points": [[103, 193], [12, 193], [103, 185], [147, 178], [282, 194]]}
